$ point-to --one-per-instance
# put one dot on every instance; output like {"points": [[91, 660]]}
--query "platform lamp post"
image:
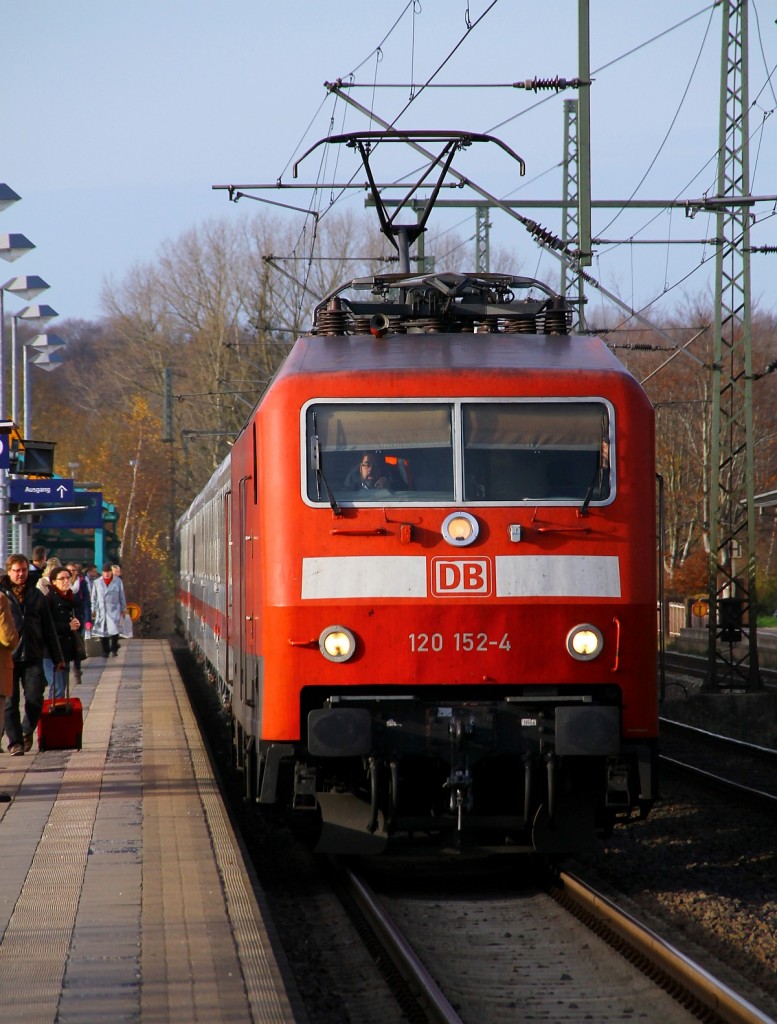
{"points": [[44, 351], [33, 316], [26, 287], [12, 246]]}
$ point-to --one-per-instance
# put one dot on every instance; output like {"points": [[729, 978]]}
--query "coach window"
{"points": [[414, 440], [557, 452]]}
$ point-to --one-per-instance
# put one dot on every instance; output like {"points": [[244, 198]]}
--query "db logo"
{"points": [[452, 577]]}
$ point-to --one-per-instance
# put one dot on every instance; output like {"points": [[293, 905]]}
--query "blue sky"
{"points": [[116, 119]]}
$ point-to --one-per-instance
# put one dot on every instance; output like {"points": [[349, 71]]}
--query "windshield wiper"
{"points": [[601, 473], [320, 478]]}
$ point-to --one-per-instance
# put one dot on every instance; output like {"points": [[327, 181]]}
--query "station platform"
{"points": [[125, 896]]}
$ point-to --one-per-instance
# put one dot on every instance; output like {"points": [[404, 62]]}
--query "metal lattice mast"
{"points": [[732, 590], [482, 253], [569, 228]]}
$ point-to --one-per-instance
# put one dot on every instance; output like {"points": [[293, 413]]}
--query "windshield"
{"points": [[525, 451], [554, 451]]}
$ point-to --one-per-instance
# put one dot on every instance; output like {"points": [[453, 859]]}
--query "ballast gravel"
{"points": [[703, 868]]}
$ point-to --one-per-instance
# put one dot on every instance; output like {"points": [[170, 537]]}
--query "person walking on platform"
{"points": [[9, 638], [43, 583], [82, 607], [90, 575], [42, 580], [62, 606], [38, 639], [38, 563], [108, 606]]}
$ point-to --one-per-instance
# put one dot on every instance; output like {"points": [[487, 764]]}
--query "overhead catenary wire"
{"points": [[633, 240], [665, 139]]}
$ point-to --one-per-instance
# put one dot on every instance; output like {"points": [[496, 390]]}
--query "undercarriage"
{"points": [[541, 774]]}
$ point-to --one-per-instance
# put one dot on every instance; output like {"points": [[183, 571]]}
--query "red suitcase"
{"points": [[61, 725]]}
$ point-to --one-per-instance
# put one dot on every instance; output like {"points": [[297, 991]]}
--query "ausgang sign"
{"points": [[55, 491]]}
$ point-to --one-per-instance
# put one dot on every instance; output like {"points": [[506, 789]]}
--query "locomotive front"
{"points": [[450, 543]]}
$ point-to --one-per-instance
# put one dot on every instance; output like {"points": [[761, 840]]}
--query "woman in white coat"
{"points": [[108, 606]]}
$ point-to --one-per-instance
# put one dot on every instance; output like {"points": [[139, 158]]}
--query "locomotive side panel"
{"points": [[247, 593]]}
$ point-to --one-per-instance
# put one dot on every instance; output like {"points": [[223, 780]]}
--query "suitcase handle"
{"points": [[66, 698]]}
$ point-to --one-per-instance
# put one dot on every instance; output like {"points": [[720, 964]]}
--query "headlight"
{"points": [[584, 642], [337, 643], [460, 529]]}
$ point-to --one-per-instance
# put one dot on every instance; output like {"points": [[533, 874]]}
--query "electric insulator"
{"points": [[428, 325], [555, 322], [361, 325], [524, 324], [332, 322], [538, 84]]}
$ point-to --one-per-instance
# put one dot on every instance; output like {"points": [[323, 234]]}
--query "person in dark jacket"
{"points": [[9, 638], [38, 639], [82, 608], [62, 605]]}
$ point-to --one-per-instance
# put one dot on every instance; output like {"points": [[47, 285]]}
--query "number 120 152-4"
{"points": [[423, 643]]}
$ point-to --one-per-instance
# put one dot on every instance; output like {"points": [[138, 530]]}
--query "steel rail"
{"points": [[755, 797], [401, 952], [694, 979], [670, 968], [726, 742]]}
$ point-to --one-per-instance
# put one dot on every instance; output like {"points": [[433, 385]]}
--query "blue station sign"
{"points": [[41, 492], [89, 517]]}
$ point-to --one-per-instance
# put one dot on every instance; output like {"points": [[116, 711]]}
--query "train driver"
{"points": [[372, 473]]}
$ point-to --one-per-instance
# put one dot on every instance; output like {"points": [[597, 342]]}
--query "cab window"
{"points": [[373, 451], [527, 451]]}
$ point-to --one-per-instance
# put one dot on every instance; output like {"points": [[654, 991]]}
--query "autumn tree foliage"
{"points": [[679, 382]]}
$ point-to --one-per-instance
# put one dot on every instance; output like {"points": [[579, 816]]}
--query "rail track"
{"points": [[515, 948], [696, 667], [472, 958], [733, 767]]}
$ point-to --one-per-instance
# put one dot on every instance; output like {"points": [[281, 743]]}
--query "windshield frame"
{"points": [[456, 406]]}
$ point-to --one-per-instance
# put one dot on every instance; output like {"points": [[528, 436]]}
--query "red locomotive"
{"points": [[425, 578]]}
